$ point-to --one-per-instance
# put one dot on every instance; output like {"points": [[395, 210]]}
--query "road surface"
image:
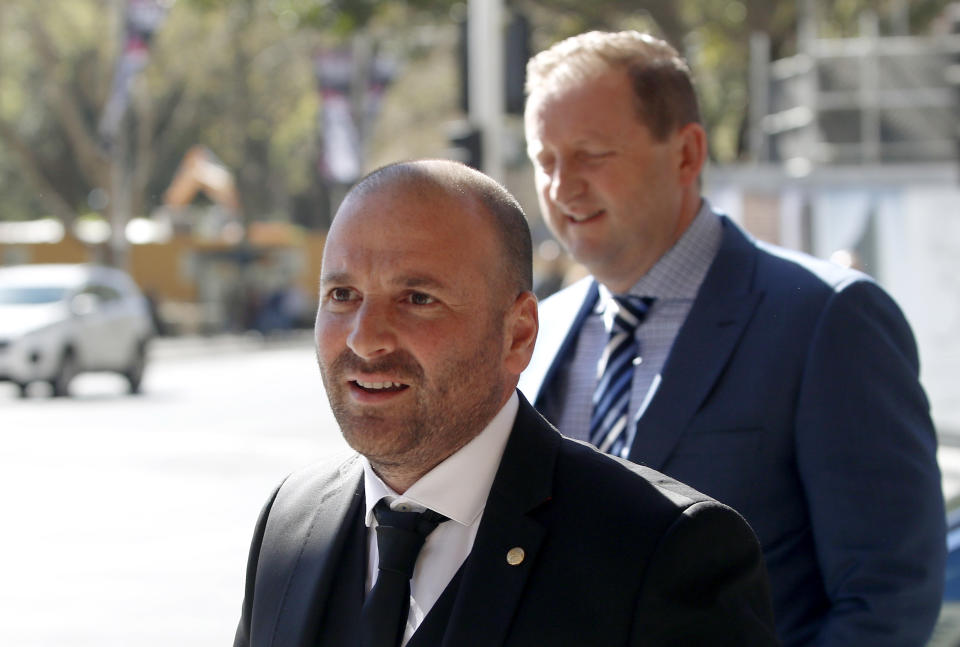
{"points": [[127, 519]]}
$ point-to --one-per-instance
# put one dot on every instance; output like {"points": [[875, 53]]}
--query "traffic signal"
{"points": [[466, 144]]}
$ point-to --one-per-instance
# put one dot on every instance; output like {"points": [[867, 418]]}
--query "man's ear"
{"points": [[520, 333], [692, 142]]}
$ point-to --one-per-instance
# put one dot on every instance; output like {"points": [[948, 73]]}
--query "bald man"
{"points": [[522, 537]]}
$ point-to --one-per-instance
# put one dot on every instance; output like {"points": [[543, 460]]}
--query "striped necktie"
{"points": [[611, 399]]}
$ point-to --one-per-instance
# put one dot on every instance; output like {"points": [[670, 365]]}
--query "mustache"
{"points": [[399, 363]]}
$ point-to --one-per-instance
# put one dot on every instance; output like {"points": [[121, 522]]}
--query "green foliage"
{"points": [[232, 76], [237, 76], [715, 37]]}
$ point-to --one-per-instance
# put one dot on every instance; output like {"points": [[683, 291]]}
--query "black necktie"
{"points": [[400, 536]]}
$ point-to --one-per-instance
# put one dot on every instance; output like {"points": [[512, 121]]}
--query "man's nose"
{"points": [[566, 184], [371, 333]]}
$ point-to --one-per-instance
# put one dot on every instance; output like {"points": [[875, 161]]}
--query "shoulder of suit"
{"points": [[323, 474], [790, 268], [570, 296], [804, 266], [622, 477]]}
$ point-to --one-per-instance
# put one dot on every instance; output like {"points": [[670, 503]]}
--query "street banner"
{"points": [[142, 19]]}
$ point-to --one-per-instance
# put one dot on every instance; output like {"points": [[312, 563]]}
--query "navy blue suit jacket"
{"points": [[791, 393], [615, 554]]}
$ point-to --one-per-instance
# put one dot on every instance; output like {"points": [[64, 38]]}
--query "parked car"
{"points": [[60, 320]]}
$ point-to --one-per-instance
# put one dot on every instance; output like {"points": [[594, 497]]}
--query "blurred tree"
{"points": [[234, 76], [237, 76], [46, 83], [715, 37]]}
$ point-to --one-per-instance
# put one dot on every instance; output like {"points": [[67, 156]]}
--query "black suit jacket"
{"points": [[616, 554]]}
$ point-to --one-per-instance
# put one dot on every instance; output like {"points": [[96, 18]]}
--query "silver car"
{"points": [[59, 320]]}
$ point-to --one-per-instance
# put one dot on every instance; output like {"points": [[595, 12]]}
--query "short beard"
{"points": [[446, 414]]}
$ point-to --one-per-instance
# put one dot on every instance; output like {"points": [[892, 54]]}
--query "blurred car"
{"points": [[60, 320]]}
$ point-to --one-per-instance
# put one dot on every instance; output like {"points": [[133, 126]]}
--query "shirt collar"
{"points": [[679, 273], [458, 487]]}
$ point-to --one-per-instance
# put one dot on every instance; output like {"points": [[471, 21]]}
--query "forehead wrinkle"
{"points": [[420, 281], [432, 224]]}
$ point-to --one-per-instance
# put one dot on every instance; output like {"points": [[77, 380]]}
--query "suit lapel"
{"points": [[492, 586], [557, 335], [303, 547], [723, 308]]}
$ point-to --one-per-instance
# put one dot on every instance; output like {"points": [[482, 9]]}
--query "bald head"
{"points": [[426, 319], [424, 180]]}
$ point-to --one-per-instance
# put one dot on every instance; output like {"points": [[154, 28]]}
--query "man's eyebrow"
{"points": [[409, 281], [419, 281]]}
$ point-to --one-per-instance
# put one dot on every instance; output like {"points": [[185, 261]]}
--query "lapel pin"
{"points": [[515, 556]]}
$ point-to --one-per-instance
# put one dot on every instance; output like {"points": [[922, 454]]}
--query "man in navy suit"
{"points": [[781, 385], [426, 320]]}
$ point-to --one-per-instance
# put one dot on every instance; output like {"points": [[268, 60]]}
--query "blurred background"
{"points": [[202, 146]]}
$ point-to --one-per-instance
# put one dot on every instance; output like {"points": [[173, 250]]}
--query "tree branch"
{"points": [[30, 167], [92, 161], [145, 153]]}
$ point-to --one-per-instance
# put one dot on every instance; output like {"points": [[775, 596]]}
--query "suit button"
{"points": [[515, 556]]}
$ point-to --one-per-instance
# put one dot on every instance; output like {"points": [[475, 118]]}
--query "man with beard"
{"points": [[463, 518]]}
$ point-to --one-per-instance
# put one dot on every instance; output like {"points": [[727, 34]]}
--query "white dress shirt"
{"points": [[673, 282], [456, 488]]}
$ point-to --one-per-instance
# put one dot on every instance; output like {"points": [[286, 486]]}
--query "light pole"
{"points": [[119, 178], [485, 62]]}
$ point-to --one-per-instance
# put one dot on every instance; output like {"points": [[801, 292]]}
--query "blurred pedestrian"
{"points": [[784, 386], [426, 320]]}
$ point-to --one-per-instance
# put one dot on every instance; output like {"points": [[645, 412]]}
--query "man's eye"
{"points": [[596, 156], [340, 294], [421, 299]]}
